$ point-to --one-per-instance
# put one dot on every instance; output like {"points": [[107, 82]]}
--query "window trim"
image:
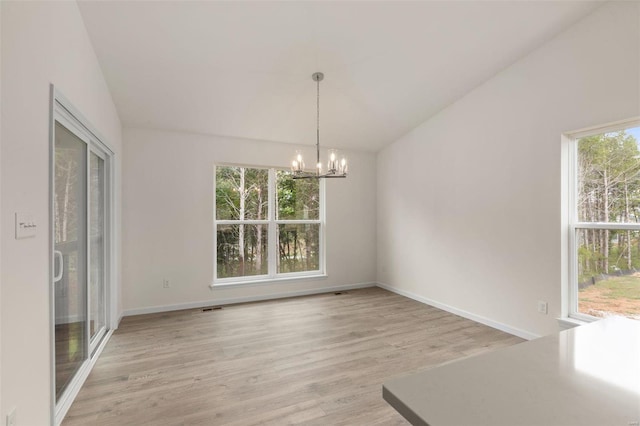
{"points": [[272, 223], [570, 217]]}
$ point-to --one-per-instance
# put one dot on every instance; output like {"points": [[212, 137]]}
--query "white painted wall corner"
{"points": [[244, 299]]}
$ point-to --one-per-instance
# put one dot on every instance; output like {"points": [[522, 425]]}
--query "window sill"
{"points": [[567, 323], [265, 281]]}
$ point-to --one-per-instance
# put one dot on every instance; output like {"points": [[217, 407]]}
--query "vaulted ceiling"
{"points": [[244, 68]]}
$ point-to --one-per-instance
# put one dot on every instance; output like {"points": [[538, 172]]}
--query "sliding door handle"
{"points": [[58, 255]]}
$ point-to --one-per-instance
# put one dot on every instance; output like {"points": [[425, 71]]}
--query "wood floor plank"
{"points": [[307, 360]]}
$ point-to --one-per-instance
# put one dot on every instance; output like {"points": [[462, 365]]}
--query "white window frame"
{"points": [[272, 222], [570, 215]]}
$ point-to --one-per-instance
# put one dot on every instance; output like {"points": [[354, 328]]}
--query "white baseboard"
{"points": [[245, 299], [230, 301], [477, 318]]}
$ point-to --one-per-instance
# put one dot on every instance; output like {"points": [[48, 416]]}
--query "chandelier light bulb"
{"points": [[344, 168], [297, 165], [331, 166]]}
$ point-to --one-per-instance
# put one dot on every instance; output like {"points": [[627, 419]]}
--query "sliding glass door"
{"points": [[70, 255], [80, 236]]}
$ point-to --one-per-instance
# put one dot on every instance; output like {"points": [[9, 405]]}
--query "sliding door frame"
{"points": [[62, 111]]}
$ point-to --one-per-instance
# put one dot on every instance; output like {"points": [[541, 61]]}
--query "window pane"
{"points": [[242, 193], [241, 250], [609, 177], [297, 199], [298, 248], [609, 272]]}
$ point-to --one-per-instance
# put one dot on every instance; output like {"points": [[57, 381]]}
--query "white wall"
{"points": [[469, 202], [42, 43], [168, 218], [0, 213]]}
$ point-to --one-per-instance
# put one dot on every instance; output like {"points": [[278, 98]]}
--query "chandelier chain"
{"points": [[318, 121]]}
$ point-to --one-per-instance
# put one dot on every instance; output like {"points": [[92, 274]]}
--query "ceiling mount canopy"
{"points": [[335, 168]]}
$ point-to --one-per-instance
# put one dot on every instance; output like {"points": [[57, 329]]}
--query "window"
{"points": [[267, 225], [605, 223]]}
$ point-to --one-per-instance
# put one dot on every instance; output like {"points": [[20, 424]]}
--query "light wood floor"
{"points": [[317, 360]]}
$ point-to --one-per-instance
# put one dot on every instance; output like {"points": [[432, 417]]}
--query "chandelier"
{"points": [[335, 168]]}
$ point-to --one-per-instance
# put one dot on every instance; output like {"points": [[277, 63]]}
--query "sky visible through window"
{"points": [[635, 132]]}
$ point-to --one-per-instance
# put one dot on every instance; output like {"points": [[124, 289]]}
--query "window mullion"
{"points": [[215, 224], [323, 222], [573, 271], [241, 222], [298, 221], [272, 240], [573, 219], [608, 225]]}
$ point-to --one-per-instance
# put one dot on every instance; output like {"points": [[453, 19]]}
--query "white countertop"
{"points": [[588, 375]]}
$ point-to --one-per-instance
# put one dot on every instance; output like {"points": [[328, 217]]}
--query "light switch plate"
{"points": [[25, 225], [543, 307]]}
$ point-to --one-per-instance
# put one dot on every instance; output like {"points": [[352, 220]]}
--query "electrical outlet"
{"points": [[543, 307], [11, 418], [166, 283]]}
